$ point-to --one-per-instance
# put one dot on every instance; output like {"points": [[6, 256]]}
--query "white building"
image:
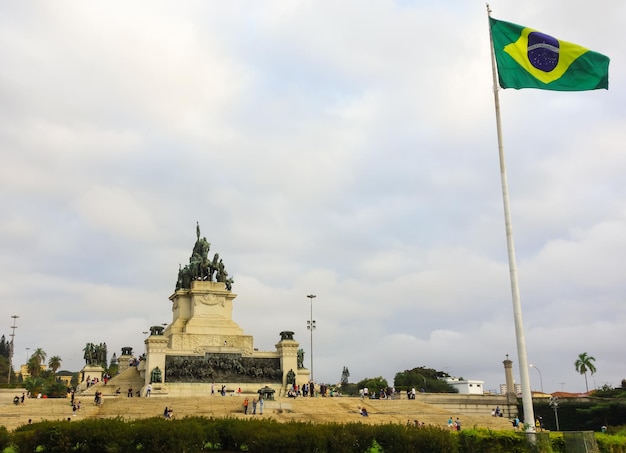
{"points": [[467, 387], [517, 389]]}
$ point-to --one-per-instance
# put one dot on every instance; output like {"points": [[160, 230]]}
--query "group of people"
{"points": [[309, 389], [496, 412], [17, 400], [168, 413], [415, 423], [384, 393], [98, 398], [91, 381], [75, 407], [454, 424], [135, 361], [255, 402], [130, 392]]}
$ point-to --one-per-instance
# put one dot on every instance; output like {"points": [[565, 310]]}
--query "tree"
{"points": [[5, 347], [4, 369], [583, 364], [373, 385], [37, 358], [40, 356], [33, 367], [429, 379], [54, 363], [34, 385]]}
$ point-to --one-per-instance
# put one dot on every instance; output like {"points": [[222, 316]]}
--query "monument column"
{"points": [[511, 396], [287, 349], [156, 346]]}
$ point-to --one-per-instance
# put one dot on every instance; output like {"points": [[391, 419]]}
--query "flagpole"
{"points": [[527, 399]]}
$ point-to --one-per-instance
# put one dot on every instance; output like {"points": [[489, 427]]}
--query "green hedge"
{"points": [[199, 434]]}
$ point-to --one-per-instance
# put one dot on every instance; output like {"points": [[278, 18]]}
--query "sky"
{"points": [[345, 149]]}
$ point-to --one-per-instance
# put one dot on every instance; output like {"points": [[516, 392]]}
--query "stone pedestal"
{"points": [[303, 376], [202, 321], [156, 348], [90, 372], [123, 362], [288, 352]]}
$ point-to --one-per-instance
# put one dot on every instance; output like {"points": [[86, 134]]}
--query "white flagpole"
{"points": [[527, 398]]}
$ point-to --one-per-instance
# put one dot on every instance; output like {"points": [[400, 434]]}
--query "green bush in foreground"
{"points": [[5, 438], [199, 434]]}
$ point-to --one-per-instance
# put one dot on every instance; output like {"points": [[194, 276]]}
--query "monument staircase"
{"points": [[316, 410], [40, 409], [129, 378]]}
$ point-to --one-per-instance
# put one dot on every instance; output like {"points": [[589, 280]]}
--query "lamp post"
{"points": [[27, 349], [554, 403], [11, 348], [145, 334], [310, 324], [540, 376]]}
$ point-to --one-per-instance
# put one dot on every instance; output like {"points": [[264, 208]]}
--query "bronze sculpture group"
{"points": [[201, 268], [95, 354]]}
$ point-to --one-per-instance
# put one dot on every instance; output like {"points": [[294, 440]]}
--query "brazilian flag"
{"points": [[527, 58]]}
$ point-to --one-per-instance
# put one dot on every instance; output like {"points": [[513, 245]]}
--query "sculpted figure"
{"points": [[291, 377], [200, 267], [156, 330], [155, 376], [88, 354], [286, 335], [300, 358]]}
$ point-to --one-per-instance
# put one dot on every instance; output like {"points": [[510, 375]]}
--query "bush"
{"points": [[488, 441], [5, 438], [196, 434]]}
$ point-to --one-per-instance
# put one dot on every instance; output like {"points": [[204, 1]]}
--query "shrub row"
{"points": [[199, 434]]}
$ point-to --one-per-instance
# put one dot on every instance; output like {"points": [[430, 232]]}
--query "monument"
{"points": [[203, 348], [95, 363]]}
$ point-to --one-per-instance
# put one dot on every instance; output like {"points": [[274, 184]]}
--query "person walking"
{"points": [[245, 406], [261, 405]]}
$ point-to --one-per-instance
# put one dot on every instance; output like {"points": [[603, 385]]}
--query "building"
{"points": [[517, 389], [467, 387]]}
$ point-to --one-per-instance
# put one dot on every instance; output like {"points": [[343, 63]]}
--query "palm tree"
{"points": [[584, 364], [54, 363], [33, 367], [39, 355], [37, 358]]}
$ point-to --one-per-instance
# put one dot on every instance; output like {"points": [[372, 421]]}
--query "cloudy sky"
{"points": [[340, 148]]}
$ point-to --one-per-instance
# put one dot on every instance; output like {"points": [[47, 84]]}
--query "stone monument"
{"points": [[203, 348], [95, 363]]}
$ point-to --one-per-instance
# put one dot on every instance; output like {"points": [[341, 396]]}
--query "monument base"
{"points": [[88, 373]]}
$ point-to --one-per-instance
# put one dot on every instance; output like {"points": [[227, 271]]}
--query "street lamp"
{"points": [[145, 334], [554, 404], [11, 348], [310, 324], [540, 376], [27, 349]]}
